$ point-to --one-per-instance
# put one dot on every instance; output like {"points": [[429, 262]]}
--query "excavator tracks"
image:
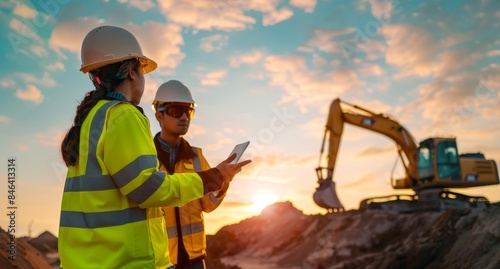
{"points": [[425, 200]]}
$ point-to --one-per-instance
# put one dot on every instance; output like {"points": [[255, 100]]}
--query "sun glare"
{"points": [[262, 200]]}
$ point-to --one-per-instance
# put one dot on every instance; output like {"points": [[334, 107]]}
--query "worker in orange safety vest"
{"points": [[174, 109]]}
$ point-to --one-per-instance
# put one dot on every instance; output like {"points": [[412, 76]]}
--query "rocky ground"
{"points": [[282, 237], [31, 253]]}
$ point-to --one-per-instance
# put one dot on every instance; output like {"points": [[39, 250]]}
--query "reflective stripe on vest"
{"points": [[196, 160], [99, 182], [101, 219], [186, 229], [190, 228], [93, 173], [94, 180], [197, 168]]}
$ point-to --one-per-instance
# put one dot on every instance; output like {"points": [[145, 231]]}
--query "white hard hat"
{"points": [[106, 45], [173, 91]]}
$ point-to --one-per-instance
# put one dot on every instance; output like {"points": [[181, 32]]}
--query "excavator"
{"points": [[431, 167]]}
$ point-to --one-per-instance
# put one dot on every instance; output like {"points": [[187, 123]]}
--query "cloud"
{"points": [[315, 127], [306, 5], [161, 42], [307, 87], [382, 8], [22, 147], [32, 94], [318, 61], [265, 158], [414, 52], [493, 53], [487, 97], [207, 14], [236, 204], [461, 102], [221, 142], [69, 35], [411, 49], [150, 88], [24, 11], [376, 151], [26, 40], [247, 58], [7, 82], [228, 15], [305, 49], [254, 176], [213, 78], [195, 130], [369, 69], [142, 5], [4, 119], [275, 17], [362, 180], [327, 40], [27, 78], [373, 49], [52, 137], [57, 66], [263, 6], [473, 140], [213, 42]]}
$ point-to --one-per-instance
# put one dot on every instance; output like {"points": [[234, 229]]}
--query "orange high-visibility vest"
{"points": [[191, 214]]}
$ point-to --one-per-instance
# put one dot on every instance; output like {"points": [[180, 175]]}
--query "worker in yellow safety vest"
{"points": [[174, 109], [111, 213]]}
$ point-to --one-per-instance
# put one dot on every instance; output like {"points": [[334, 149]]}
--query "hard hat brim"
{"points": [[150, 65]]}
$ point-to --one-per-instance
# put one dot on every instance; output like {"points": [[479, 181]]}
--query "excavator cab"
{"points": [[440, 165], [325, 194]]}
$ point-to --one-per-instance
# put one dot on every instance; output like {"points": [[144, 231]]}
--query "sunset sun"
{"points": [[262, 200]]}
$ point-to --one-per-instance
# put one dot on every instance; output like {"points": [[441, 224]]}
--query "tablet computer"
{"points": [[239, 149]]}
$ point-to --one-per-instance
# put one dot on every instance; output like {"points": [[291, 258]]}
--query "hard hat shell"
{"points": [[173, 91], [106, 45]]}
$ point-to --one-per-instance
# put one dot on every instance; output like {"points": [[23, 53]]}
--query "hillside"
{"points": [[282, 237], [31, 253]]}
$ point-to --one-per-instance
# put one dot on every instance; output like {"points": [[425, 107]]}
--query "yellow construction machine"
{"points": [[430, 167]]}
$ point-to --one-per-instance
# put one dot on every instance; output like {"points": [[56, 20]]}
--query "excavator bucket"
{"points": [[326, 196]]}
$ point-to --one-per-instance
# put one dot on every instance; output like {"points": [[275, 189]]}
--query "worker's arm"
{"points": [[210, 201], [130, 158]]}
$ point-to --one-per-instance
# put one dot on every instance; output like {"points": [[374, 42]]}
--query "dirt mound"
{"points": [[282, 237]]}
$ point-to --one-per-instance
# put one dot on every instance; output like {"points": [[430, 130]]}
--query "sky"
{"points": [[264, 71]]}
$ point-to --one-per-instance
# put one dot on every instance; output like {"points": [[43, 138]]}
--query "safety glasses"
{"points": [[177, 111]]}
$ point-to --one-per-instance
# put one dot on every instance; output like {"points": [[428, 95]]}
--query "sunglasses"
{"points": [[178, 111]]}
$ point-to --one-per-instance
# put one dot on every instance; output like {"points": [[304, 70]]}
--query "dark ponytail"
{"points": [[104, 79]]}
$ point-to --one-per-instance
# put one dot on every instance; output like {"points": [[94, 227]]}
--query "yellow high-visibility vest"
{"points": [[111, 206]]}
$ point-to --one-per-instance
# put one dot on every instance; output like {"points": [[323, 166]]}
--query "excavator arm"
{"points": [[325, 195]]}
